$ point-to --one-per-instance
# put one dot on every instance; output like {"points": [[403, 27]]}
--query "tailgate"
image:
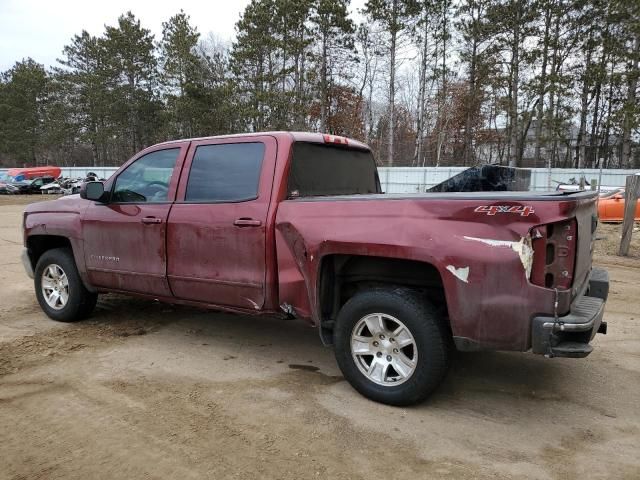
{"points": [[587, 219]]}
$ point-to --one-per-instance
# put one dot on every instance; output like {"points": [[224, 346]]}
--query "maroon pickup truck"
{"points": [[296, 224]]}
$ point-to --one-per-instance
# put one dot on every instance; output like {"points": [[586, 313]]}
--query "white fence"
{"points": [[418, 179], [75, 172]]}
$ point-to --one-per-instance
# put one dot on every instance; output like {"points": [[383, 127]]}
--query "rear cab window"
{"points": [[323, 170]]}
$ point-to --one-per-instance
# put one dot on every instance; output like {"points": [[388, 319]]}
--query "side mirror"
{"points": [[92, 191]]}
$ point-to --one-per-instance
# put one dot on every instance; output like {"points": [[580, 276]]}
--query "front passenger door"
{"points": [[124, 240]]}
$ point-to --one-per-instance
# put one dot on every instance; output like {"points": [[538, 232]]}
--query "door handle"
{"points": [[151, 220], [247, 222]]}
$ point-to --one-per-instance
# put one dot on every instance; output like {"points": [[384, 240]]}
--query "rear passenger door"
{"points": [[216, 232]]}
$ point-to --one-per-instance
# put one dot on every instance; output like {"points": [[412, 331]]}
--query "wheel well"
{"points": [[342, 276], [38, 244]]}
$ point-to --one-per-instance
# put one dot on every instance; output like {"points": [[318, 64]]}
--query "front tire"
{"points": [[59, 289], [391, 345]]}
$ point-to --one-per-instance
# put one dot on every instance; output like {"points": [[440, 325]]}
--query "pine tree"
{"points": [[370, 53], [133, 68], [476, 40], [214, 96], [85, 83], [512, 25], [253, 63], [22, 98], [630, 27], [181, 71], [334, 30], [396, 17]]}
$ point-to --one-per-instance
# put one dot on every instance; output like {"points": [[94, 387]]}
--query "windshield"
{"points": [[4, 177], [319, 170]]}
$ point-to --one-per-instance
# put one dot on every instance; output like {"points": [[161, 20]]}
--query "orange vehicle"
{"points": [[18, 174], [611, 207]]}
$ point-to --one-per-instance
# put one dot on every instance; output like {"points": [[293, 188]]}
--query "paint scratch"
{"points": [[254, 304], [523, 248], [461, 273]]}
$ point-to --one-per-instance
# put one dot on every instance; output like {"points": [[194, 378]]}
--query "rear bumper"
{"points": [[569, 335]]}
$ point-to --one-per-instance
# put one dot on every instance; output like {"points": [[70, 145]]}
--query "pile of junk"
{"points": [[69, 186], [47, 183]]}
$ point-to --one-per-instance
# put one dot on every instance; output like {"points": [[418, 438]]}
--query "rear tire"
{"points": [[59, 289], [391, 345]]}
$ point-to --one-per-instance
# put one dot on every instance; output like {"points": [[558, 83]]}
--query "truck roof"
{"points": [[309, 137]]}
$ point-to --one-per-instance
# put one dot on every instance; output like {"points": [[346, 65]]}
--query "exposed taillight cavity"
{"points": [[554, 254]]}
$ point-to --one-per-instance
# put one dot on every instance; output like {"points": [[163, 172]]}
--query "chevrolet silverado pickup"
{"points": [[296, 224]]}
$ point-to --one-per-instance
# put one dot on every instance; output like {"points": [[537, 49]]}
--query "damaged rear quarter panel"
{"points": [[483, 261]]}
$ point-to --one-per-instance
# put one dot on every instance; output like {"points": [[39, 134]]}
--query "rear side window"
{"points": [[225, 173], [318, 169]]}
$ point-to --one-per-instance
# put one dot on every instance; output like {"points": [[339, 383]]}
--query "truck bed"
{"points": [[510, 196]]}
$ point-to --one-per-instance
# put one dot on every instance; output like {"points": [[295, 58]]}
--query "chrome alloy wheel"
{"points": [[384, 349], [55, 286]]}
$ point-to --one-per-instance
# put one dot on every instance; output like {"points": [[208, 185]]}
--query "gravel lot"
{"points": [[143, 390]]}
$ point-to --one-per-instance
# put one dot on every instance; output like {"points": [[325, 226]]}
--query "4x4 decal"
{"points": [[524, 211]]}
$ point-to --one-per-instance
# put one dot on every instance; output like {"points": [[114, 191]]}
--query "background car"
{"points": [[611, 207], [33, 186], [11, 188], [25, 186], [30, 173]]}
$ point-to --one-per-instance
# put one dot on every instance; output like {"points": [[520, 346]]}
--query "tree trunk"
{"points": [[584, 105], [361, 102], [607, 130], [323, 85], [417, 156], [392, 96], [551, 113], [593, 144], [301, 79], [542, 88], [513, 112], [471, 102], [632, 85], [94, 146], [515, 74], [444, 120], [370, 103]]}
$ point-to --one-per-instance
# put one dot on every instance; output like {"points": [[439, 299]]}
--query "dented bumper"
{"points": [[569, 335]]}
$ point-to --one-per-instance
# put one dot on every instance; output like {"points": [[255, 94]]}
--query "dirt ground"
{"points": [[143, 390]]}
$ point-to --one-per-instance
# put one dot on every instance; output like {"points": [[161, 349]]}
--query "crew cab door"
{"points": [[217, 227], [124, 238]]}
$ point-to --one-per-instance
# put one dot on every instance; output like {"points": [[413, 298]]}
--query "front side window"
{"points": [[225, 173], [147, 179]]}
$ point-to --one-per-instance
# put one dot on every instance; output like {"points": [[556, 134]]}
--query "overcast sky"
{"points": [[40, 28]]}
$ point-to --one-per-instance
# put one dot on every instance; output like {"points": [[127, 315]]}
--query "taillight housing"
{"points": [[335, 139], [554, 254]]}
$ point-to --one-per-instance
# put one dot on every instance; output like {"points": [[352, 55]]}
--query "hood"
{"points": [[69, 203]]}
